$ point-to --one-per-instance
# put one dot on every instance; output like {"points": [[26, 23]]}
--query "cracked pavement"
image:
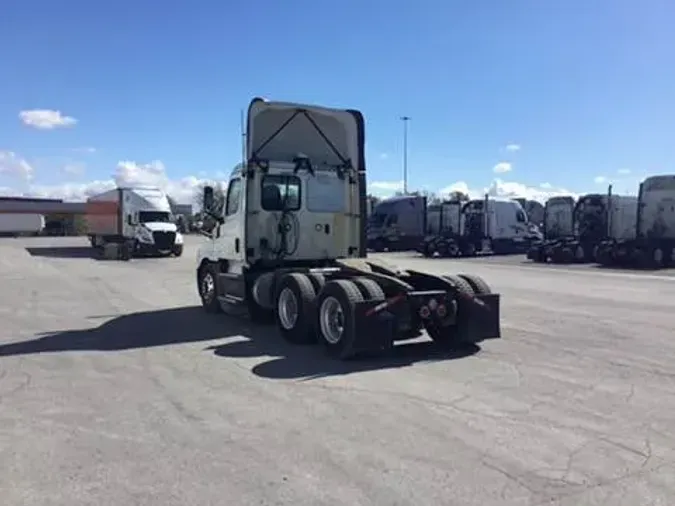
{"points": [[115, 388]]}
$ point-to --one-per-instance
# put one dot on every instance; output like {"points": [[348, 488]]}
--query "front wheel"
{"points": [[206, 281], [177, 250]]}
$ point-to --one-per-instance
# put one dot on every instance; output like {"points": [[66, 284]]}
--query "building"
{"points": [[65, 218]]}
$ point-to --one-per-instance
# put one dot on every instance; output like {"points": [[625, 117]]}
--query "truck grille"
{"points": [[164, 240]]}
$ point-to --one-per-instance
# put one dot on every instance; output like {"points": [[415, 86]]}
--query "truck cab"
{"points": [[397, 223], [290, 243], [497, 225]]}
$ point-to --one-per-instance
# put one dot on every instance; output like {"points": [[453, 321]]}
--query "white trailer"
{"points": [[648, 239], [290, 245], [139, 217], [16, 224]]}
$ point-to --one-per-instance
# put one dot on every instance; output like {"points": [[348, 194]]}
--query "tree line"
{"points": [[220, 191]]}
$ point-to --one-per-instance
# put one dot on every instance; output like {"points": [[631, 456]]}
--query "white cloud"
{"points": [[127, 173], [599, 179], [46, 119], [74, 168], [512, 147], [502, 167], [184, 190], [86, 150], [13, 165], [507, 189], [624, 172], [385, 188]]}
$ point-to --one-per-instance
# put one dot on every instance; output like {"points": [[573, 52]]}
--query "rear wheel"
{"points": [[449, 336], [579, 254], [317, 279], [369, 288], [295, 308], [478, 284], [336, 310]]}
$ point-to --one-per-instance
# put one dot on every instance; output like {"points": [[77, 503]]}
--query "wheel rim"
{"points": [[331, 320], [658, 256], [287, 307], [580, 252], [208, 286]]}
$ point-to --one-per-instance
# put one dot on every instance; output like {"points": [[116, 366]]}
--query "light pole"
{"points": [[405, 120]]}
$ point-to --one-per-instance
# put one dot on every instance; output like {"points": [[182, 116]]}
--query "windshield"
{"points": [[154, 216], [377, 219]]}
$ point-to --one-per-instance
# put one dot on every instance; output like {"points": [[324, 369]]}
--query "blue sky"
{"points": [[586, 89]]}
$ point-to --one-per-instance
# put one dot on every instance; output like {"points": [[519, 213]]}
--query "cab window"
{"points": [[280, 193], [233, 197]]}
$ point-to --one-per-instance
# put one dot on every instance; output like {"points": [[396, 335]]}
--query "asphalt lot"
{"points": [[116, 389]]}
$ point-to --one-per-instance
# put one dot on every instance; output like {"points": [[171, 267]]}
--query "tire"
{"points": [[580, 255], [206, 285], [450, 336], [452, 250], [337, 300], [295, 324], [478, 284], [317, 279], [177, 250], [469, 250], [535, 255], [369, 289]]}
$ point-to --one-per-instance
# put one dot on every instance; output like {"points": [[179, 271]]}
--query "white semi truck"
{"points": [[480, 226], [558, 227], [290, 245], [138, 217], [596, 219], [645, 237]]}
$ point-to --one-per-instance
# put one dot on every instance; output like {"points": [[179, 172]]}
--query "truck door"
{"points": [[230, 244]]}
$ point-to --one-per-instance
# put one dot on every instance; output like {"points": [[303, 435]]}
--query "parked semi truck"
{"points": [[138, 217], [21, 224], [558, 226], [484, 226], [648, 240], [444, 230], [597, 218], [533, 209], [397, 223], [290, 245]]}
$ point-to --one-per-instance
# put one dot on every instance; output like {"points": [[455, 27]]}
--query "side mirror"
{"points": [[207, 198]]}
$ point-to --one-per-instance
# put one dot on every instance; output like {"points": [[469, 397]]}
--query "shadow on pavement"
{"points": [[664, 271], [191, 324], [137, 330], [63, 252], [310, 362]]}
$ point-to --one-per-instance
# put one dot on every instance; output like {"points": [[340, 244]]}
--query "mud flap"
{"points": [[373, 330], [481, 320]]}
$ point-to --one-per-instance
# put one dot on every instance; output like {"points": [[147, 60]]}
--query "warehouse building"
{"points": [[64, 218]]}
